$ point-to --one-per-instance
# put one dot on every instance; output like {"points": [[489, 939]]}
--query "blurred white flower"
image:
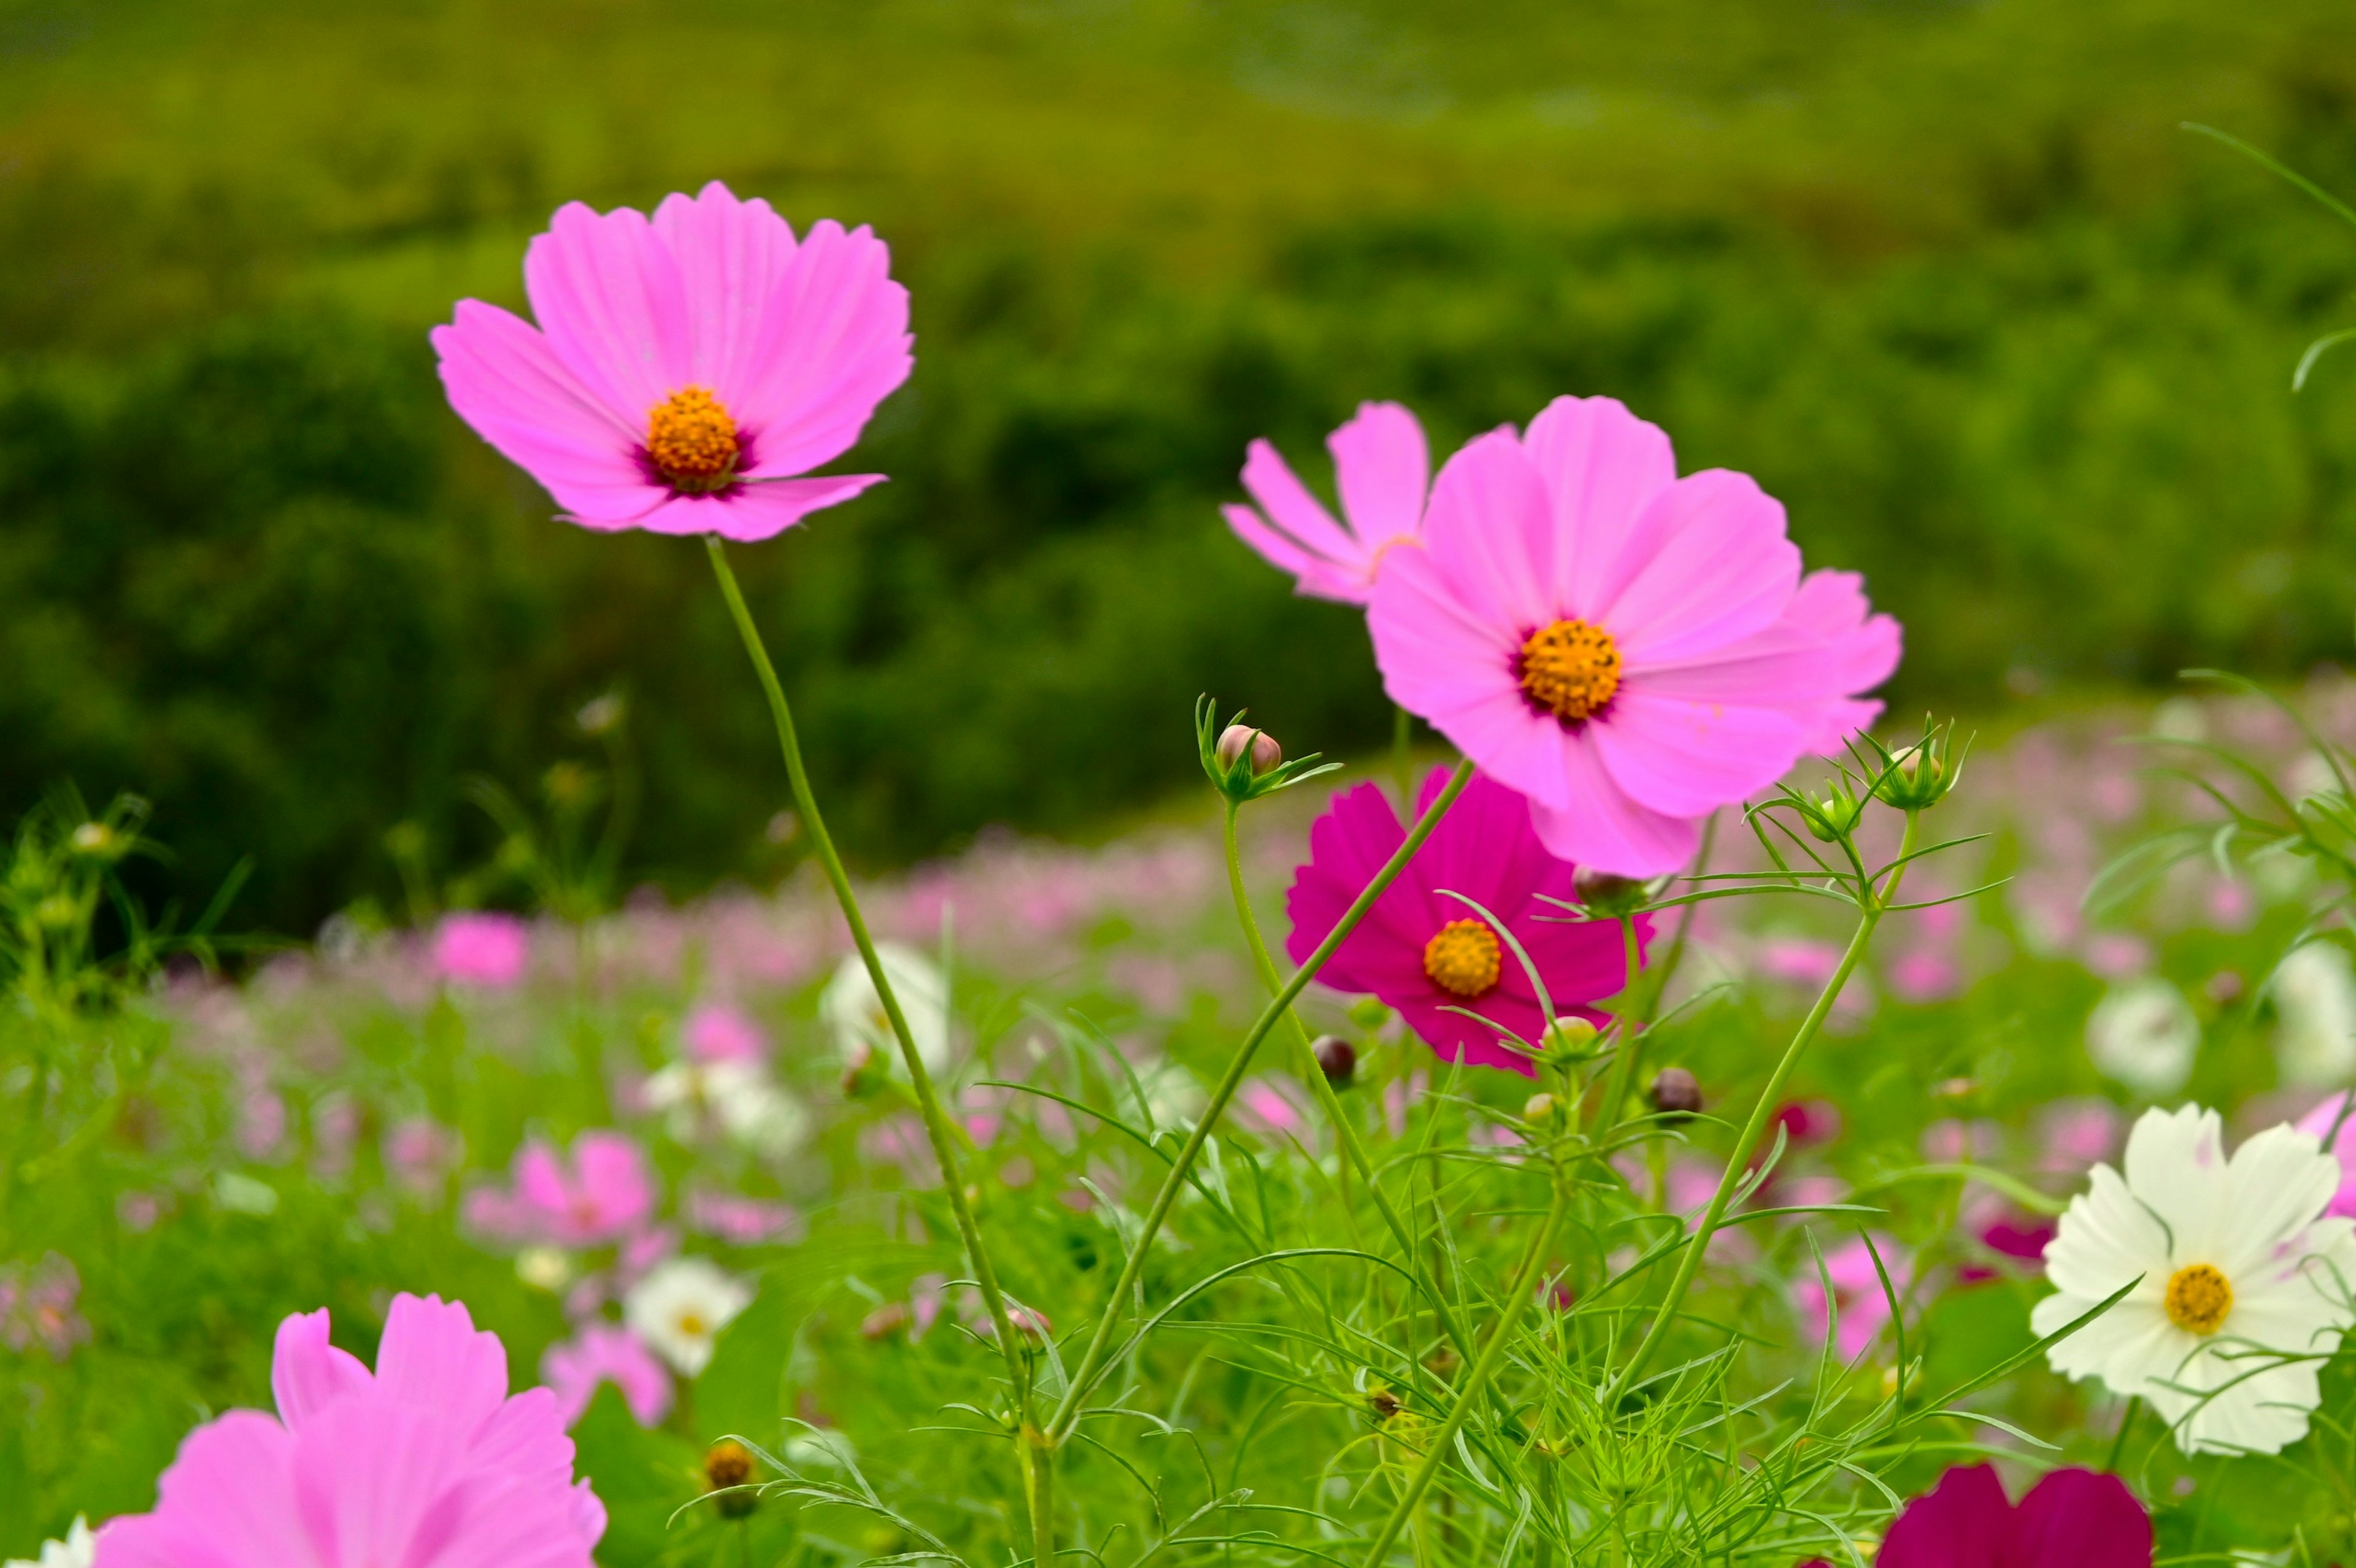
{"points": [[862, 1029], [737, 1097], [679, 1308], [2310, 774], [77, 1549], [1173, 1096], [2144, 1034], [2180, 719], [544, 1268], [2241, 1274], [2315, 1008]]}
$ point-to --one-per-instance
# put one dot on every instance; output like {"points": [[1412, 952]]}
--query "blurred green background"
{"points": [[1946, 276]]}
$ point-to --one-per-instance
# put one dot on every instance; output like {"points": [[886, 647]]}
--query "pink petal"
{"points": [[542, 1180], [525, 1438], [1491, 536], [228, 1498], [731, 256], [1832, 605], [1965, 1521], [1602, 826], [2077, 1518], [751, 512], [503, 1525], [1602, 466], [433, 1358], [505, 381], [608, 294], [376, 1484], [834, 344], [1687, 759], [613, 1174], [1294, 512], [1381, 468], [1271, 546], [307, 1373], [1717, 568]]}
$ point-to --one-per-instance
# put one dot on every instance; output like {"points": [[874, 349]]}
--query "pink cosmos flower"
{"points": [[739, 1221], [718, 1032], [427, 1462], [603, 1193], [2319, 1124], [1426, 954], [1630, 649], [606, 1352], [1856, 1291], [1381, 468], [2070, 1519], [687, 368], [488, 950], [37, 1307]]}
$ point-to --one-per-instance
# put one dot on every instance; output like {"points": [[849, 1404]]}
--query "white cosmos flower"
{"points": [[77, 1549], [739, 1097], [2238, 1270], [862, 1029], [2315, 1007], [679, 1308], [2144, 1035]]}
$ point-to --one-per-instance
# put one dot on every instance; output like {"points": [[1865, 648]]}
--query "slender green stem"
{"points": [[1354, 1147], [936, 1123], [1476, 1381], [1873, 906], [2119, 1442], [1099, 1348], [1623, 1058]]}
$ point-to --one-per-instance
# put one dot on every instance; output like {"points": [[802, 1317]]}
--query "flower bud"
{"points": [[601, 715], [97, 840], [1264, 752], [728, 1465], [886, 1319], [1569, 1041], [1832, 815], [1676, 1093], [1607, 893], [1337, 1058], [1537, 1108], [1918, 776], [1384, 1403]]}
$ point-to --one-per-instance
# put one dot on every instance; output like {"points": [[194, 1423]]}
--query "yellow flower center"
{"points": [[1462, 958], [1570, 668], [691, 1325], [692, 441], [2199, 1297]]}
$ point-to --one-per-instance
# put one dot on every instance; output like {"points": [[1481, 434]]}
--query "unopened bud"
{"points": [[1676, 1093], [1608, 893], [1384, 1403], [888, 1319], [1537, 1108], [1264, 752], [728, 1466], [1338, 1059], [1569, 1041], [1918, 776], [96, 840]]}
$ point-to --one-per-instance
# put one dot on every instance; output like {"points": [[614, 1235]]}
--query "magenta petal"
{"points": [[2079, 1519], [606, 292], [432, 1357], [307, 1373], [1381, 468], [835, 344], [1602, 466], [1687, 759], [1721, 569], [1965, 1521]]}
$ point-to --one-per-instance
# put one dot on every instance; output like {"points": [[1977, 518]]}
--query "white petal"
{"points": [[2175, 1165], [2278, 1182], [2105, 1239]]}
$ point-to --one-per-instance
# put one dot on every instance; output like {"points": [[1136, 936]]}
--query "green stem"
{"points": [[1623, 1059], [1354, 1147], [1476, 1381], [937, 1125], [1870, 915], [1092, 1360]]}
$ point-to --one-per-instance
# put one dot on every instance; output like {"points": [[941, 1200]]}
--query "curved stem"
{"points": [[1476, 1381], [1099, 1348], [1874, 905], [936, 1125]]}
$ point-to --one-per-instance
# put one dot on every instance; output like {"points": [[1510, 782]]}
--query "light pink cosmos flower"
{"points": [[2320, 1123], [37, 1307], [686, 368], [428, 1461], [1630, 649], [1864, 1305], [718, 1032], [603, 1193], [1382, 467], [488, 950], [1433, 956], [606, 1352]]}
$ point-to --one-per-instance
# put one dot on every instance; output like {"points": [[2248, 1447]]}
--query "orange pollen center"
{"points": [[1462, 958], [692, 441], [1570, 668], [2199, 1298]]}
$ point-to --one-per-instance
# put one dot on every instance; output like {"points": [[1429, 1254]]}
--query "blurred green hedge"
{"points": [[257, 571]]}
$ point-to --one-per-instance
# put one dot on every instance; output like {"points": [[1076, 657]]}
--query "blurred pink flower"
{"points": [[429, 1460], [2116, 954], [1924, 976], [2231, 904], [1429, 955], [1630, 649], [685, 369], [418, 1151], [486, 950], [2078, 1133], [602, 1193], [138, 1210], [37, 1307], [742, 1222], [606, 1352], [718, 1032], [1798, 961], [1863, 1305], [2317, 1124], [1949, 1141], [1380, 465], [1268, 1106]]}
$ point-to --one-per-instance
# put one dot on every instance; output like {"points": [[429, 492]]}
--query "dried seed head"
{"points": [[728, 1464], [1676, 1093], [1338, 1058]]}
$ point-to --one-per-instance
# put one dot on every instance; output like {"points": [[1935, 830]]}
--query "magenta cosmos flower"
{"points": [[1381, 468], [1424, 953], [602, 1193], [2070, 1519], [1630, 649], [427, 1463], [687, 368]]}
